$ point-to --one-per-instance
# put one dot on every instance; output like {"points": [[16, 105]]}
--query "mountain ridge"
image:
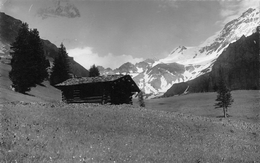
{"points": [[240, 64], [9, 27]]}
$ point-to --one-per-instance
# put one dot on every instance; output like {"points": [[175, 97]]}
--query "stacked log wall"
{"points": [[115, 92]]}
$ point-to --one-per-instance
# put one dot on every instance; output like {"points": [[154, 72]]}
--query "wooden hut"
{"points": [[114, 89]]}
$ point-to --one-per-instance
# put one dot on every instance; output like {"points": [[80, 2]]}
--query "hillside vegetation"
{"points": [[40, 93]]}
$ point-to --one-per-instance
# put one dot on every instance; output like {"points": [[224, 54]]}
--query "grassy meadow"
{"points": [[58, 132], [246, 105]]}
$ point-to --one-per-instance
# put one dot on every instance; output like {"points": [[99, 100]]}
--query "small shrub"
{"points": [[93, 71], [141, 99]]}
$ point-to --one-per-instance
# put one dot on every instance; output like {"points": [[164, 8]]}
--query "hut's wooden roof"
{"points": [[85, 80]]}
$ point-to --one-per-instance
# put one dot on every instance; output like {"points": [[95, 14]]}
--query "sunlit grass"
{"points": [[56, 132], [246, 105]]}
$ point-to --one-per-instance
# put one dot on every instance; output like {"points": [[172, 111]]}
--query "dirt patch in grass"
{"points": [[57, 132]]}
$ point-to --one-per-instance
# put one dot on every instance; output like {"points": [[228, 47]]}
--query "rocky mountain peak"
{"points": [[126, 68], [247, 12], [179, 49], [149, 60]]}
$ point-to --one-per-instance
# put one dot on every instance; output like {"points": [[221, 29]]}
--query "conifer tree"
{"points": [[29, 65], [93, 71], [61, 67], [39, 58], [224, 97]]}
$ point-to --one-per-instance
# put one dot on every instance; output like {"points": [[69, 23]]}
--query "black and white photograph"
{"points": [[129, 81]]}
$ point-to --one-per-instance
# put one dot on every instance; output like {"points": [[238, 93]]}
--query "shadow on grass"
{"points": [[40, 84], [29, 94], [222, 116]]}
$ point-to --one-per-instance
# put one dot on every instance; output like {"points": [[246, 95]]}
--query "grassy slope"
{"points": [[246, 105], [37, 94], [89, 133]]}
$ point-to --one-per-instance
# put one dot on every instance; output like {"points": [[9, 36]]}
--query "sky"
{"points": [[112, 32]]}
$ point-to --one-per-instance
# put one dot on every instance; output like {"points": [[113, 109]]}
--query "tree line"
{"points": [[30, 66]]}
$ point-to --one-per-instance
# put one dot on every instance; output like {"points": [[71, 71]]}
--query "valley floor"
{"points": [[246, 105], [58, 132]]}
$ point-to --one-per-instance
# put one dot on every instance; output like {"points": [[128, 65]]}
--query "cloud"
{"points": [[86, 57], [170, 3], [60, 8], [2, 4], [245, 4], [8, 5], [227, 12], [234, 8], [166, 4]]}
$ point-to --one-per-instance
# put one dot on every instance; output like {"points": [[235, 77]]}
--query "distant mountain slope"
{"points": [[105, 71], [126, 68], [9, 27], [240, 63]]}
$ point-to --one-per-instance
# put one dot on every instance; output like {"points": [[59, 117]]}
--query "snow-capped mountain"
{"points": [[239, 64], [203, 56], [153, 80], [187, 63]]}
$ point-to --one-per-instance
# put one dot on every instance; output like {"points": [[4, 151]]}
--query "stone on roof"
{"points": [[85, 80]]}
